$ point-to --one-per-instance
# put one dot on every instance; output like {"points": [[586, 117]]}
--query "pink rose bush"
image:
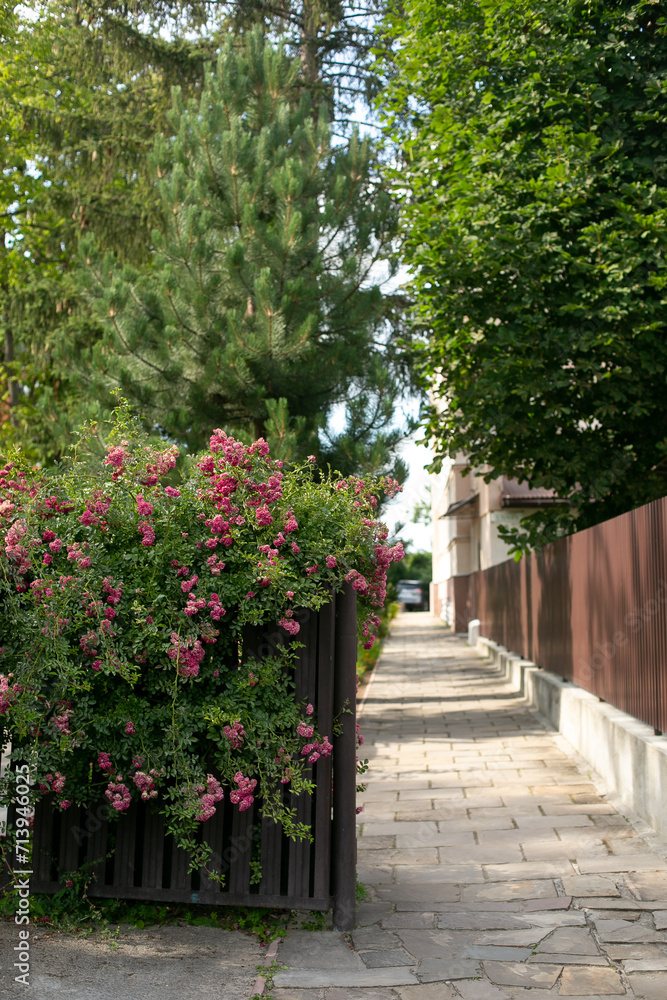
{"points": [[126, 585]]}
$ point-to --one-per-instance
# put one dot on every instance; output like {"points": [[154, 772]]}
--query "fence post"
{"points": [[344, 854]]}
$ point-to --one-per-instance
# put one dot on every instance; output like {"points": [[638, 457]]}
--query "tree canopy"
{"points": [[534, 184], [259, 302], [85, 89], [83, 92]]}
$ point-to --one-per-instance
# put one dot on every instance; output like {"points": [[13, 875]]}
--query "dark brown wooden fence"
{"points": [[592, 608], [132, 858]]}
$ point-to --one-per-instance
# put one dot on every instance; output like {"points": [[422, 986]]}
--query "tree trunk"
{"points": [[310, 62], [12, 384]]}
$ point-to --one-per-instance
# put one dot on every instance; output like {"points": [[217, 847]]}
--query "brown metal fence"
{"points": [[130, 857], [592, 608]]}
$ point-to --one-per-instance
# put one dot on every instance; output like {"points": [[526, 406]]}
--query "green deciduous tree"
{"points": [[260, 304], [535, 184], [83, 92]]}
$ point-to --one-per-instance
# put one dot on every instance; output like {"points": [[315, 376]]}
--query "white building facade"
{"points": [[467, 513]]}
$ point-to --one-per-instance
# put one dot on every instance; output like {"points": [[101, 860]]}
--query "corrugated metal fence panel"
{"points": [[658, 611], [130, 857], [552, 603], [592, 608]]}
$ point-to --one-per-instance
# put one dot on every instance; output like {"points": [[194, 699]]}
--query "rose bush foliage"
{"points": [[126, 584]]}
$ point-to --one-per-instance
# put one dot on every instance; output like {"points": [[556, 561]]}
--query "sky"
{"points": [[416, 489], [397, 513]]}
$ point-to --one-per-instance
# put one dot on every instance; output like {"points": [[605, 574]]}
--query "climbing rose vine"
{"points": [[125, 586]]}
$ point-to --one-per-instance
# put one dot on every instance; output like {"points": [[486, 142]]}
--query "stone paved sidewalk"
{"points": [[496, 868]]}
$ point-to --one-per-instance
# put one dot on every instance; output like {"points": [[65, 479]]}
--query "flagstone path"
{"points": [[495, 866]]}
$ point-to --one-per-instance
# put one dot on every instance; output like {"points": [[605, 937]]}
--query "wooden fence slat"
{"points": [[181, 878], [344, 848], [272, 844], [240, 850], [95, 828], [213, 835], [211, 898], [323, 769], [299, 850], [305, 684], [125, 830], [153, 849], [68, 860], [42, 842]]}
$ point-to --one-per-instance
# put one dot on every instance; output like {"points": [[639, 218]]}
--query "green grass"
{"points": [[367, 658], [362, 893], [75, 912]]}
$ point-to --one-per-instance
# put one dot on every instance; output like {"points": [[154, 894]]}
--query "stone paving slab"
{"points": [[324, 950], [308, 978], [649, 985], [497, 869]]}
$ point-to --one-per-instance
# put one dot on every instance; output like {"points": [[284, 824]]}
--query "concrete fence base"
{"points": [[626, 753]]}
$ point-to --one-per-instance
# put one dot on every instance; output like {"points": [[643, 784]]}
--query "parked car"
{"points": [[412, 594]]}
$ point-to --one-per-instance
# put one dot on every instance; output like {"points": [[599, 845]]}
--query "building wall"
{"points": [[468, 540], [455, 547]]}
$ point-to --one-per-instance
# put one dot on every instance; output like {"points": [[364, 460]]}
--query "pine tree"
{"points": [[260, 286]]}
